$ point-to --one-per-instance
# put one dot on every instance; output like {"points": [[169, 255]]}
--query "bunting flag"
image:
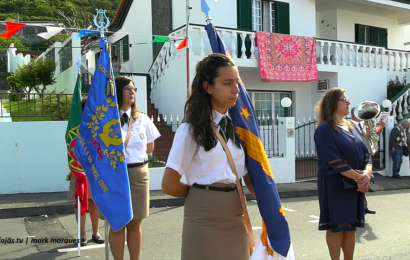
{"points": [[100, 147], [81, 189], [85, 32], [182, 45], [160, 39], [12, 28], [275, 240], [204, 7], [51, 31]]}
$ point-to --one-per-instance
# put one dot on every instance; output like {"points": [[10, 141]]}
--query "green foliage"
{"points": [[82, 11], [11, 80], [55, 105], [22, 111], [5, 43], [36, 75], [395, 86]]}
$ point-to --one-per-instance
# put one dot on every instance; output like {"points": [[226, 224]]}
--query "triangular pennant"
{"points": [[159, 39], [182, 45], [51, 31], [12, 28], [84, 32]]}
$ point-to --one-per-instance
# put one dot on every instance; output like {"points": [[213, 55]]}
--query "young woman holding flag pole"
{"points": [[214, 225]]}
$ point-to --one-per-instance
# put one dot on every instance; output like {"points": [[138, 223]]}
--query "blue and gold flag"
{"points": [[100, 148], [275, 236]]}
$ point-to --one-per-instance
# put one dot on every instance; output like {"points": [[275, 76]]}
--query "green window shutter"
{"points": [[383, 37], [244, 8], [114, 50], [374, 36], [359, 33], [282, 18], [125, 49], [244, 14]]}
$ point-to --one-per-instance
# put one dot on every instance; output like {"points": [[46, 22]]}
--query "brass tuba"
{"points": [[367, 111]]}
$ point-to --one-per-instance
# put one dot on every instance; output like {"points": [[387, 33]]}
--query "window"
{"points": [[66, 58], [261, 15], [365, 34], [270, 16], [267, 104], [121, 49]]}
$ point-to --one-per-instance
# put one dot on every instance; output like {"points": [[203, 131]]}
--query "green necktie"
{"points": [[227, 131]]}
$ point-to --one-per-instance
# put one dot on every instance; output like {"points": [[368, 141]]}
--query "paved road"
{"points": [[386, 235]]}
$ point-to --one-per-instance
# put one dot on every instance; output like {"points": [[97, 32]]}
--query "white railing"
{"points": [[401, 107], [357, 55], [328, 52]]}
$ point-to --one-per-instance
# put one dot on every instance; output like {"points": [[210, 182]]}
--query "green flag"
{"points": [[72, 126], [159, 39]]}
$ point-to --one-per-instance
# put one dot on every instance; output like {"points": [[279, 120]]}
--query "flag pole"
{"points": [[78, 226], [188, 82], [78, 197]]}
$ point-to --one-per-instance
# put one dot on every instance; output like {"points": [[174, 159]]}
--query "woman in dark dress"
{"points": [[341, 152]]}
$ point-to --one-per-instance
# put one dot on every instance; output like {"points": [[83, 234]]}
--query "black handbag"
{"points": [[349, 184], [405, 151]]}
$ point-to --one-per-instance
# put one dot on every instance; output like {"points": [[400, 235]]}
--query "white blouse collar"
{"points": [[128, 112], [216, 116]]}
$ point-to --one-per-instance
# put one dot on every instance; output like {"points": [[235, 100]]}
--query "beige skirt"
{"points": [[139, 186], [214, 226]]}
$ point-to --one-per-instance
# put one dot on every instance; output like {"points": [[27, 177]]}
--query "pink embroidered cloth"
{"points": [[285, 57]]}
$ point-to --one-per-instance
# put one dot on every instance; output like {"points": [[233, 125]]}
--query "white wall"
{"points": [[139, 22], [326, 24], [170, 92], [33, 157], [302, 17], [141, 100], [302, 105], [66, 80], [347, 19], [14, 60], [223, 13]]}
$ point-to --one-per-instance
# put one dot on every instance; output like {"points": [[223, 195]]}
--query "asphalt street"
{"points": [[386, 235]]}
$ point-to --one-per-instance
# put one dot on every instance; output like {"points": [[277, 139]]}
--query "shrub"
{"points": [[395, 86], [53, 104]]}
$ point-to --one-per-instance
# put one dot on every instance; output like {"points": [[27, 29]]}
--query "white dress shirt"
{"points": [[203, 167], [143, 132]]}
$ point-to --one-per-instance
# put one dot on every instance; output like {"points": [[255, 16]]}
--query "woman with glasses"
{"points": [[142, 133], [341, 153]]}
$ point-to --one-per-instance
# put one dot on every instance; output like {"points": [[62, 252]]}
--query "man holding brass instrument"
{"points": [[398, 142]]}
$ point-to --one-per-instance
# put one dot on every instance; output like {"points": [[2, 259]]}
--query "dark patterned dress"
{"points": [[340, 209]]}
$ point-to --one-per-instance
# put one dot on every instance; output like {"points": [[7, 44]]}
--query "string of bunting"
{"points": [[12, 28]]}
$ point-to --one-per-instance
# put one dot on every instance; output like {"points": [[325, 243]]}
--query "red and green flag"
{"points": [[71, 137]]}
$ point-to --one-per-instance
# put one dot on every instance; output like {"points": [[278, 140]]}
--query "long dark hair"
{"points": [[120, 83], [198, 108], [327, 107]]}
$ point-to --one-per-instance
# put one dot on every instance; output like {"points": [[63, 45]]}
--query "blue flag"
{"points": [[100, 148], [276, 235]]}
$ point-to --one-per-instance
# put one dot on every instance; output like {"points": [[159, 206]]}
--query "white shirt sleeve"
{"points": [[183, 149], [152, 131]]}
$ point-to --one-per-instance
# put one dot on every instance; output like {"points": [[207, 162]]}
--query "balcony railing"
{"points": [[328, 52]]}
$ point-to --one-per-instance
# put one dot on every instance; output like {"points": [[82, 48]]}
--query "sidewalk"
{"points": [[32, 204]]}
